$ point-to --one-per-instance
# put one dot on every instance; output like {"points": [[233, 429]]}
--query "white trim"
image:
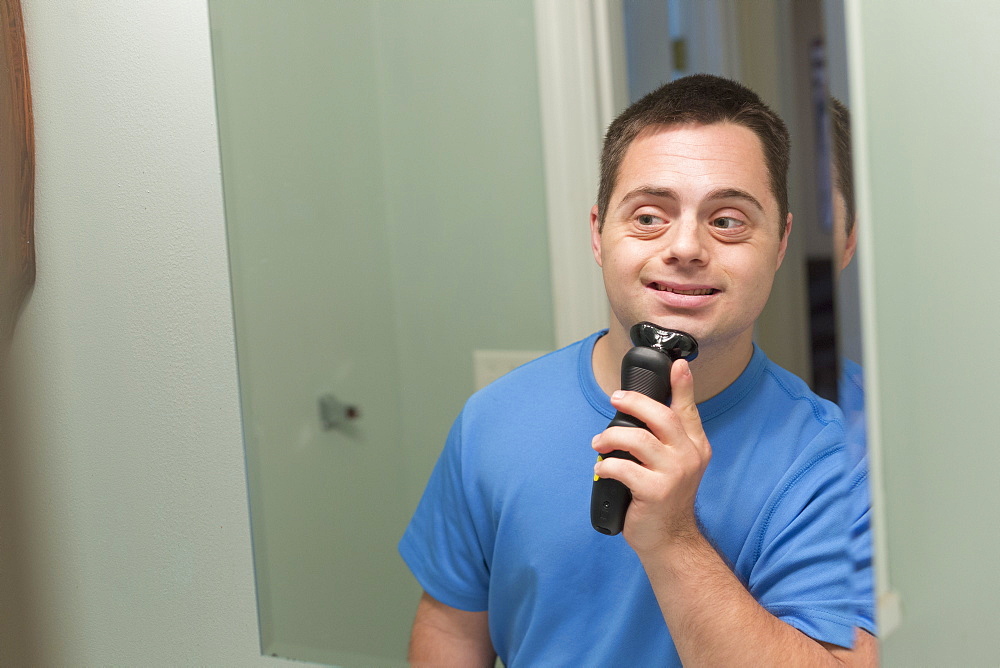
{"points": [[573, 121], [713, 36], [610, 61], [889, 613]]}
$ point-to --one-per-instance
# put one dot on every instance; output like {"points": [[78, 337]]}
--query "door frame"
{"points": [[582, 86]]}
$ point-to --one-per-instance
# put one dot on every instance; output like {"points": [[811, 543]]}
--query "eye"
{"points": [[648, 220], [727, 223]]}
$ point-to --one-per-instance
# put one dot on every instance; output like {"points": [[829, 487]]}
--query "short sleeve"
{"points": [[804, 568], [859, 502], [441, 545]]}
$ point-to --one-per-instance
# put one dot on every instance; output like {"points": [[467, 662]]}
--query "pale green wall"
{"points": [[298, 94], [928, 105], [129, 511], [129, 497], [465, 184], [385, 201]]}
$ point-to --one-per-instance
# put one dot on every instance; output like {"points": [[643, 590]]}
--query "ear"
{"points": [[849, 247], [783, 246], [595, 235]]}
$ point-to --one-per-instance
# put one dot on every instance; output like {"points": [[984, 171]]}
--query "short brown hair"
{"points": [[698, 99], [843, 168]]}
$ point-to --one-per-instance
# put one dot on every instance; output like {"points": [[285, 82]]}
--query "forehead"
{"points": [[696, 159]]}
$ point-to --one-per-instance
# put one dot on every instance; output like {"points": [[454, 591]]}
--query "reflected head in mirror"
{"points": [[844, 211], [701, 99]]}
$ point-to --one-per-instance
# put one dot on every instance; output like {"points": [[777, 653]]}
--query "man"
{"points": [[845, 233], [735, 548]]}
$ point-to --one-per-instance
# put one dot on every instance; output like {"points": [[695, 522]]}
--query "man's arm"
{"points": [[713, 619], [446, 636]]}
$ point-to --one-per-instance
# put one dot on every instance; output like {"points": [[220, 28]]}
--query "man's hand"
{"points": [[713, 619], [673, 454]]}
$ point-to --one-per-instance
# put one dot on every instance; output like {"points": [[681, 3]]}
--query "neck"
{"points": [[715, 368]]}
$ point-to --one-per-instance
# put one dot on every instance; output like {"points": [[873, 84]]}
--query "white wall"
{"points": [[924, 92], [132, 535]]}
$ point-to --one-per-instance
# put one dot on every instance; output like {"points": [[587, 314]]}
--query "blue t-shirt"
{"points": [[504, 524], [851, 399]]}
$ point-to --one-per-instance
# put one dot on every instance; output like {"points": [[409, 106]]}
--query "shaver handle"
{"points": [[646, 371]]}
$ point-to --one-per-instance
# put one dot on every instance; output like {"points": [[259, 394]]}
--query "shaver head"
{"points": [[672, 342]]}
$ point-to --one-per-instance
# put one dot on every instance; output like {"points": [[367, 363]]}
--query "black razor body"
{"points": [[645, 369]]}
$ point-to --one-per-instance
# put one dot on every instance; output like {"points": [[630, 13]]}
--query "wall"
{"points": [[125, 522], [386, 217], [131, 528], [462, 149], [297, 85], [925, 91], [766, 45]]}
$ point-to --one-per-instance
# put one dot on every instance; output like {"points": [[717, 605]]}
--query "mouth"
{"points": [[692, 291]]}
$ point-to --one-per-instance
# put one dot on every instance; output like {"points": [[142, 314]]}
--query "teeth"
{"points": [[704, 291]]}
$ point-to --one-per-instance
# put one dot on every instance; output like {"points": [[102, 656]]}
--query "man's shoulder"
{"points": [[770, 396], [552, 372], [784, 387]]}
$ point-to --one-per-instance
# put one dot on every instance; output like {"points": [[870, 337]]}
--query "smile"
{"points": [[681, 291]]}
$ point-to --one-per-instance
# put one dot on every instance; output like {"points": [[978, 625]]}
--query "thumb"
{"points": [[682, 402]]}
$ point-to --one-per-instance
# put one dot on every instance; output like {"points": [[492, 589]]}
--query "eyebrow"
{"points": [[735, 193], [635, 193]]}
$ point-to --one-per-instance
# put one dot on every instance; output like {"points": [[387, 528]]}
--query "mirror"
{"points": [[385, 190], [17, 155]]}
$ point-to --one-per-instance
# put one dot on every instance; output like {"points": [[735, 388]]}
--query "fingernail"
{"points": [[617, 394]]}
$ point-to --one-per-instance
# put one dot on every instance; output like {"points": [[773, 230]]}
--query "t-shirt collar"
{"points": [[709, 409]]}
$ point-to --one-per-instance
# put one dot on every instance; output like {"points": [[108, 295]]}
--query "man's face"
{"points": [[691, 235]]}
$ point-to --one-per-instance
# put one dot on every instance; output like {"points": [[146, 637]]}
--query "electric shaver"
{"points": [[645, 369]]}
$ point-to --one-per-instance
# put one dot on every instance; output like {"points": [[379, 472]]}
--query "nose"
{"points": [[685, 243]]}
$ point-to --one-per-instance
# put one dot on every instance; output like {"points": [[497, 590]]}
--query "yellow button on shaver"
{"points": [[597, 477]]}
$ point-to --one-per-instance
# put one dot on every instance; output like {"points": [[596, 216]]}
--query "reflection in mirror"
{"points": [[851, 385], [386, 214], [385, 208]]}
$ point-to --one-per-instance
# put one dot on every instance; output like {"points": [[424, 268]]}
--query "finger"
{"points": [[639, 443], [625, 471], [683, 403], [659, 419]]}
